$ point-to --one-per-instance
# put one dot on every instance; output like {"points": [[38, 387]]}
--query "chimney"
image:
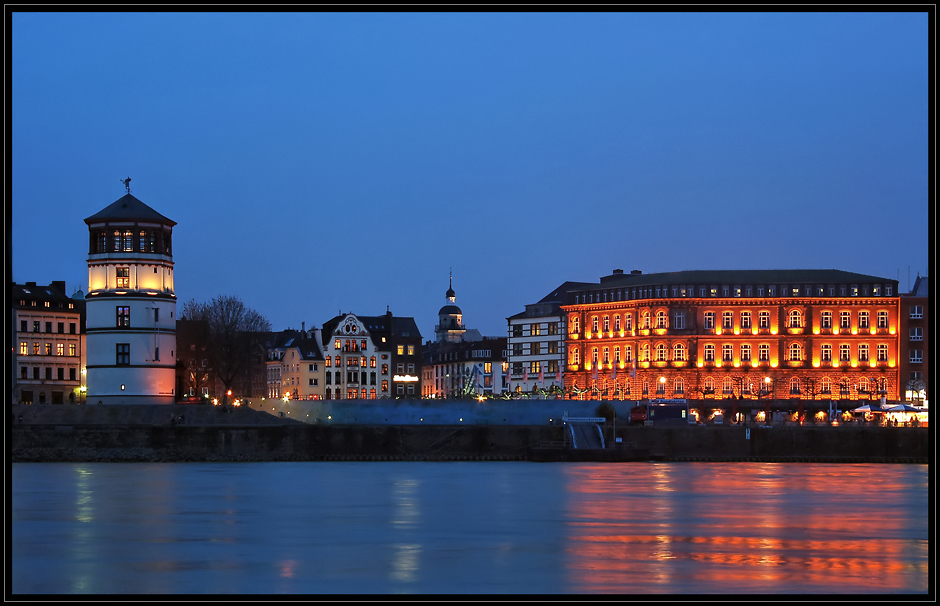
{"points": [[635, 272], [618, 271]]}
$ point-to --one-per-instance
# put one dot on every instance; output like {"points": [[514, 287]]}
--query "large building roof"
{"points": [[740, 276], [129, 208]]}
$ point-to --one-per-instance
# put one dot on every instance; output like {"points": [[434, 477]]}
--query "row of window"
{"points": [[795, 319], [59, 349], [680, 353], [748, 386], [24, 326], [59, 373], [124, 240], [535, 348], [123, 314], [725, 290], [46, 304], [534, 330], [550, 367]]}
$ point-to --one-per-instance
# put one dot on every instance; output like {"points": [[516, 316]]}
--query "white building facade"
{"points": [[130, 306]]}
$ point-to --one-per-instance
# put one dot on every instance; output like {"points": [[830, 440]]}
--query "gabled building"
{"points": [[49, 344], [302, 369], [370, 357]]}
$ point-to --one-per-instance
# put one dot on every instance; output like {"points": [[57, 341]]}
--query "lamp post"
{"points": [[766, 391]]}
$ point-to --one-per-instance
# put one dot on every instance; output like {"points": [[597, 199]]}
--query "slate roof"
{"points": [[921, 287], [129, 208], [378, 326]]}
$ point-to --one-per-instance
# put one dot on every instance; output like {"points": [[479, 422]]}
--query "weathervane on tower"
{"points": [[127, 184]]}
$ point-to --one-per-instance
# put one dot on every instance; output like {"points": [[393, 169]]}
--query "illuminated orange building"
{"points": [[745, 334]]}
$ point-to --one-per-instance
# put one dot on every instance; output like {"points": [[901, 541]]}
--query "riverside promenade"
{"points": [[212, 433]]}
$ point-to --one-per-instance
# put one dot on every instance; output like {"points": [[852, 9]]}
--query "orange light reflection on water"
{"points": [[740, 528]]}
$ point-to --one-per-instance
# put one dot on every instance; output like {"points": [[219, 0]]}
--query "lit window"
{"points": [[661, 352], [882, 353], [60, 349], [825, 320], [826, 353], [763, 352], [863, 319], [796, 318], [745, 353], [863, 353], [594, 324], [794, 386], [763, 319], [727, 319], [411, 350], [709, 353], [678, 352], [123, 277], [23, 348], [845, 319], [123, 316], [845, 353], [628, 322], [660, 319], [745, 320], [646, 319], [882, 319], [727, 353], [616, 324], [709, 320]]}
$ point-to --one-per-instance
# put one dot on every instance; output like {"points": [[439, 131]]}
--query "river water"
{"points": [[469, 528]]}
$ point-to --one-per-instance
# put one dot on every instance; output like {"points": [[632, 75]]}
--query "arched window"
{"points": [[645, 353], [727, 386], [795, 352], [575, 325], [863, 385], [660, 319], [825, 385], [617, 323], [661, 352], [646, 319], [795, 385], [678, 352], [709, 385], [678, 386], [628, 353], [796, 318], [628, 321], [594, 324]]}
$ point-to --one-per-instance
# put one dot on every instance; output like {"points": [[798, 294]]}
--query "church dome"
{"points": [[449, 310]]}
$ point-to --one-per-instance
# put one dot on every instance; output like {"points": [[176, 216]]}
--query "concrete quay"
{"points": [[205, 433]]}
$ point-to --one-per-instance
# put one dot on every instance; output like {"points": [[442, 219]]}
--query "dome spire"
{"points": [[450, 294]]}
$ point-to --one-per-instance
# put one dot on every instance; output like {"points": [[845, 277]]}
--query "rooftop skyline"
{"points": [[325, 163]]}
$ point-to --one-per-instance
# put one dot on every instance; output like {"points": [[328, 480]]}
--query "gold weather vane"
{"points": [[127, 184]]}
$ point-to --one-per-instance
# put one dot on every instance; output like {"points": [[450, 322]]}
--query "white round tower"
{"points": [[130, 306]]}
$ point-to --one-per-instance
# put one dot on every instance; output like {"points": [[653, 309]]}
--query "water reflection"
{"points": [[300, 528], [764, 528]]}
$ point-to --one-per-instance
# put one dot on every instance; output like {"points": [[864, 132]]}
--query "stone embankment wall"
{"points": [[210, 434]]}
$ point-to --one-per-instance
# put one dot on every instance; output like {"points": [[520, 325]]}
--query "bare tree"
{"points": [[233, 334]]}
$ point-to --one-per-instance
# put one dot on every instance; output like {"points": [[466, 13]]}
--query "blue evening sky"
{"points": [[318, 163]]}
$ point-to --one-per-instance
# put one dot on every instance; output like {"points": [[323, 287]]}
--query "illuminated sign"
{"points": [[405, 378]]}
